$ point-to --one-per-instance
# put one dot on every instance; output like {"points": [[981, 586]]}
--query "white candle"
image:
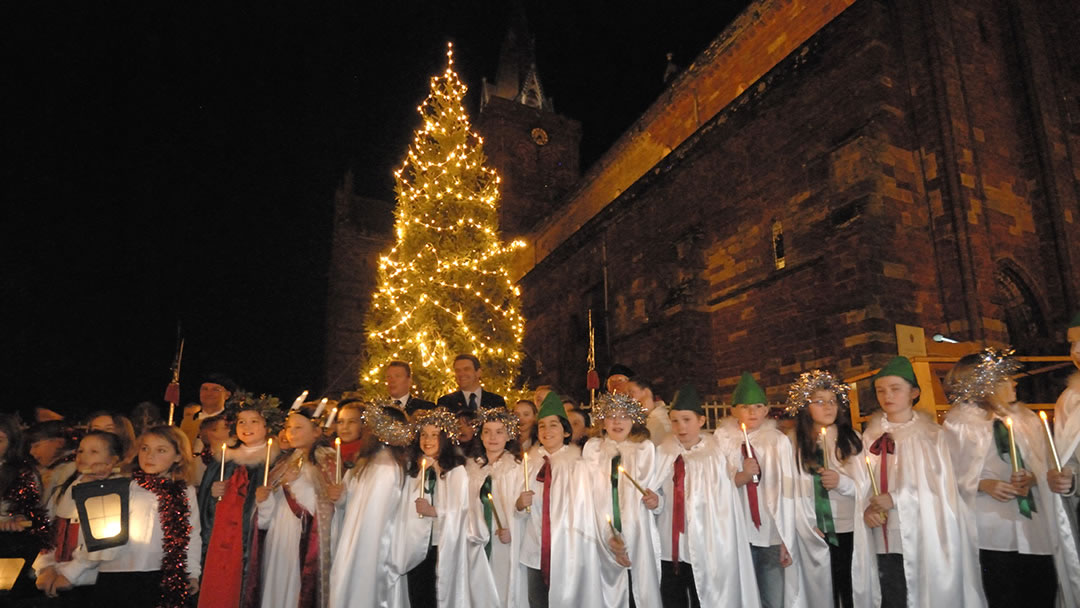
{"points": [[498, 521], [337, 448], [322, 406], [423, 465], [299, 401], [636, 484], [873, 480], [749, 450], [266, 467], [825, 447], [1050, 440], [330, 418], [224, 447], [1012, 446]]}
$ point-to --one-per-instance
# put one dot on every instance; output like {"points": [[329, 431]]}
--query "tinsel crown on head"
{"points": [[267, 406], [498, 414], [609, 405], [994, 366], [386, 428], [817, 380], [439, 417]]}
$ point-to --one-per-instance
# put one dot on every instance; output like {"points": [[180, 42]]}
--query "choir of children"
{"points": [[401, 511]]}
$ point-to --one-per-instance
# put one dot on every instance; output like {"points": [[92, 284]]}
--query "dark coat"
{"points": [[456, 401]]}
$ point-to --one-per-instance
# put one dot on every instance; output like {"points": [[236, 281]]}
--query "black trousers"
{"points": [[538, 591], [677, 589], [1017, 579], [840, 562], [893, 583], [422, 580]]}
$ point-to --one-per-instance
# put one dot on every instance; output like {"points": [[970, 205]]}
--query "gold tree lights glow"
{"points": [[444, 288]]}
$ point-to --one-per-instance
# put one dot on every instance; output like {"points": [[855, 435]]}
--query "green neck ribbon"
{"points": [[822, 506], [1026, 504], [485, 489], [616, 519]]}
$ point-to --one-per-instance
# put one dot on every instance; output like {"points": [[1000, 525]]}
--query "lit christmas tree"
{"points": [[444, 288]]}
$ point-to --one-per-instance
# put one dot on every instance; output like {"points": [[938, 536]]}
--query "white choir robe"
{"points": [[1067, 437], [281, 552], [971, 442], [814, 550], [638, 523], [502, 573], [143, 551], [935, 528], [449, 532], [776, 492], [576, 553], [63, 506], [714, 540], [360, 574]]}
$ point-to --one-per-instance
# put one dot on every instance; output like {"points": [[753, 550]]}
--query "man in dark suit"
{"points": [[469, 395], [399, 386]]}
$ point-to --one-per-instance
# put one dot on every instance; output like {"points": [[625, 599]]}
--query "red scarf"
{"points": [[310, 581], [545, 529], [174, 516], [223, 571], [678, 512], [67, 538], [751, 489]]}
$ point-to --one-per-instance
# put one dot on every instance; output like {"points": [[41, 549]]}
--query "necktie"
{"points": [[472, 401], [678, 511], [397, 402], [883, 447], [544, 476], [751, 492], [616, 516], [823, 508], [1026, 504], [485, 489]]}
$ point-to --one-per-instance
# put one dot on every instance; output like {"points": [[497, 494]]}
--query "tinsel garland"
{"points": [[174, 513], [816, 380], [24, 496], [440, 418], [497, 414], [978, 384], [610, 404], [387, 429]]}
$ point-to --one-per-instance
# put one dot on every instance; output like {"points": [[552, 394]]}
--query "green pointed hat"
{"points": [[899, 366], [686, 398], [552, 406], [748, 391], [1074, 329]]}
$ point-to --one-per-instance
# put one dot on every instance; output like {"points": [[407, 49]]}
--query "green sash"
{"points": [[823, 508], [1026, 504], [485, 489], [616, 519]]}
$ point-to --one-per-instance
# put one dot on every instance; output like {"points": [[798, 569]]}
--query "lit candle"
{"points": [[423, 465], [614, 532], [525, 468], [498, 520], [1050, 440], [330, 418], [224, 447], [337, 448], [749, 450], [825, 447], [322, 406], [266, 467], [636, 484], [299, 401], [1012, 446]]}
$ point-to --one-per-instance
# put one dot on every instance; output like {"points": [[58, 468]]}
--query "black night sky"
{"points": [[178, 161]]}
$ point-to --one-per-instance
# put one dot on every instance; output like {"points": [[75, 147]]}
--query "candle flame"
{"points": [[1008, 421], [337, 441], [270, 442], [743, 425], [1042, 415], [823, 431], [867, 460]]}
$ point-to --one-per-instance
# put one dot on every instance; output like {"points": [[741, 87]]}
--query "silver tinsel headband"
{"points": [[817, 380], [980, 382], [609, 405], [386, 428], [498, 414], [439, 417]]}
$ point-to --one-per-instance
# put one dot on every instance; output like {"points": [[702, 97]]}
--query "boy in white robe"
{"points": [[704, 548], [923, 533], [1067, 426], [766, 480]]}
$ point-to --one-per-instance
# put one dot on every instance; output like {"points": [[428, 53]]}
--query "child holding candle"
{"points": [[831, 471], [495, 470], [1024, 550], [159, 565], [1067, 427], [233, 547], [351, 430], [751, 438], [618, 461], [704, 547], [922, 538], [368, 523], [213, 433], [296, 511], [559, 546], [435, 543], [98, 454]]}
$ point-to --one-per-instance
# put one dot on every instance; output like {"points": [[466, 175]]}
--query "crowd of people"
{"points": [[470, 502]]}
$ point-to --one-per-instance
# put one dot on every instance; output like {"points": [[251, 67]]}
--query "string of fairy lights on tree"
{"points": [[444, 288]]}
